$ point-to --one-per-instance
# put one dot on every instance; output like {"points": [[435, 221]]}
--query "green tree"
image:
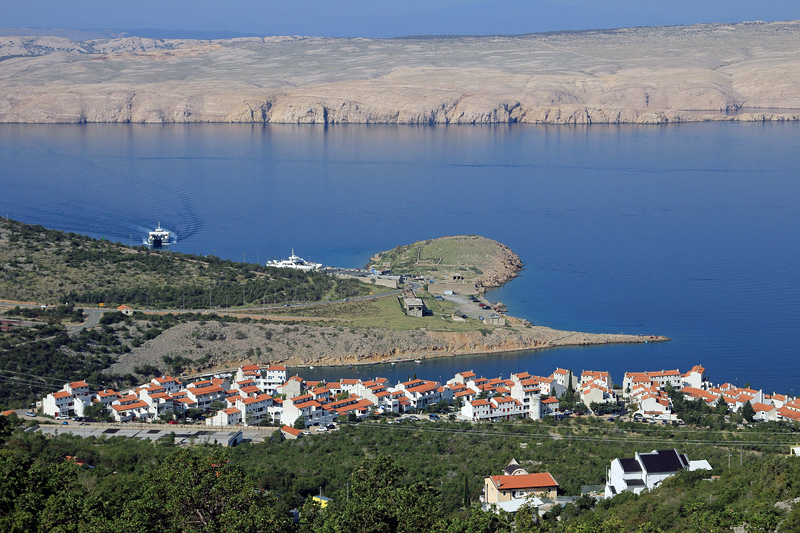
{"points": [[378, 502], [299, 423], [747, 412], [198, 492]]}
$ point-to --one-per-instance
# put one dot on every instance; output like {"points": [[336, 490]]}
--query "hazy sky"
{"points": [[384, 18]]}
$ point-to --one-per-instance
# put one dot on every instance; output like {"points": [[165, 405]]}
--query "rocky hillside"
{"points": [[218, 345], [746, 72]]}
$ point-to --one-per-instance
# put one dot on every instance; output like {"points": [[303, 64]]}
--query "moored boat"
{"points": [[295, 262]]}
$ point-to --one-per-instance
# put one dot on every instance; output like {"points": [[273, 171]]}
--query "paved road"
{"points": [[92, 319]]}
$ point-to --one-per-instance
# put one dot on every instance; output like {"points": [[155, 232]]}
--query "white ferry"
{"points": [[158, 237], [295, 262]]}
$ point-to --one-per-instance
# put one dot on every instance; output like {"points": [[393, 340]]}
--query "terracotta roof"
{"points": [[62, 394], [231, 411], [126, 407], [78, 384], [204, 391], [291, 431], [255, 399], [788, 413], [529, 481], [312, 403]]}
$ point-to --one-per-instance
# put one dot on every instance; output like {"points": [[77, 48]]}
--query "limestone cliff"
{"points": [[743, 72]]}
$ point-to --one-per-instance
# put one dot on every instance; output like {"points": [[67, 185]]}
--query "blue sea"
{"points": [[686, 230]]}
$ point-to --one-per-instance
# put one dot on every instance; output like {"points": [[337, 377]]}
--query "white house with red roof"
{"points": [[206, 392], [765, 412], [379, 395], [493, 410], [696, 377], [528, 393], [225, 417], [659, 379], [63, 402], [599, 377], [561, 376], [515, 483], [254, 409], [168, 383], [550, 406], [273, 377], [292, 387], [462, 377], [290, 433], [594, 392], [58, 403], [421, 393], [312, 411], [131, 408]]}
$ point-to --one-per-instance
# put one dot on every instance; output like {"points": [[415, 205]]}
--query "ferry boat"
{"points": [[295, 262], [158, 237]]}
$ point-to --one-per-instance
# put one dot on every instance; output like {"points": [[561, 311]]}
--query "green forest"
{"points": [[391, 478]]}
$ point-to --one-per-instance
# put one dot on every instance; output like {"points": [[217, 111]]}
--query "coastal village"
{"points": [[265, 395]]}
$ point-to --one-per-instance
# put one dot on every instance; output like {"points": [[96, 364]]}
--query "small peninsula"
{"points": [[254, 313]]}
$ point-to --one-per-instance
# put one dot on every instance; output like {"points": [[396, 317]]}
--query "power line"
{"points": [[59, 381]]}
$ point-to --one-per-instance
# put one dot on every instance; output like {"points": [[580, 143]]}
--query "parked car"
{"points": [[434, 416], [30, 413], [331, 426]]}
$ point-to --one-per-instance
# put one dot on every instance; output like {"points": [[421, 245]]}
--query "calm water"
{"points": [[688, 230]]}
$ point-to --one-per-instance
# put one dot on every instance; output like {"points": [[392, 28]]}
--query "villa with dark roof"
{"points": [[647, 470]]}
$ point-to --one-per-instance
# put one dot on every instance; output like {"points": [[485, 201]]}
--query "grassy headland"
{"points": [[474, 258]]}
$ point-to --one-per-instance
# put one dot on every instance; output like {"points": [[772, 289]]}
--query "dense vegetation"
{"points": [[385, 478], [43, 265], [36, 360]]}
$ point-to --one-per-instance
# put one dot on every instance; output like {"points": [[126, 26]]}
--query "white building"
{"points": [[647, 470], [225, 417]]}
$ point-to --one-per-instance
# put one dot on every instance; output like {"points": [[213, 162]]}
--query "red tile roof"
{"points": [[525, 481]]}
